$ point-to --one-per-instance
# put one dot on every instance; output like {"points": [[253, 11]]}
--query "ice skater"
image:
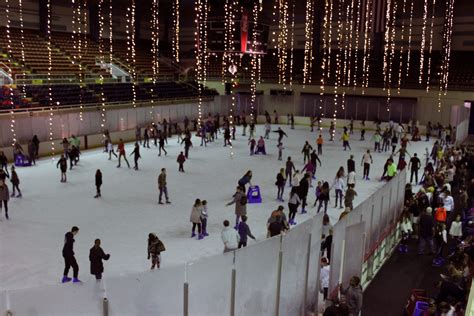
{"points": [[306, 151], [136, 155], [362, 130], [252, 130], [15, 183], [3, 162], [289, 168], [280, 133], [195, 219], [68, 255], [180, 160], [252, 144], [146, 138], [73, 156], [292, 121], [324, 197], [240, 201], [110, 149], [280, 183], [293, 204], [187, 144], [268, 129], [204, 216], [98, 183], [96, 255], [366, 162], [227, 137], [62, 164], [319, 143], [162, 186], [161, 142], [121, 151], [303, 191], [345, 139], [244, 232], [339, 185], [280, 150], [155, 248], [261, 146], [4, 198]]}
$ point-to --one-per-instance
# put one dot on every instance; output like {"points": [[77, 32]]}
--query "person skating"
{"points": [[121, 151], [280, 183], [366, 162], [306, 151], [244, 232], [280, 133], [180, 160], [275, 114], [4, 198], [240, 201], [362, 130], [155, 248], [292, 121], [204, 217], [227, 137], [324, 197], [350, 164], [314, 160], [68, 255], [245, 179], [162, 186], [261, 146], [303, 189], [230, 237], [187, 144], [252, 130], [36, 144], [146, 138], [96, 255], [161, 142], [319, 143], [289, 168], [332, 131], [62, 164], [293, 204], [31, 153], [394, 142], [414, 165], [377, 138], [252, 144], [110, 149], [280, 150], [268, 129], [73, 156], [345, 139], [98, 183], [349, 196], [386, 140], [76, 142], [310, 170], [15, 183], [195, 219], [339, 185], [244, 126], [4, 162], [391, 170], [136, 155]]}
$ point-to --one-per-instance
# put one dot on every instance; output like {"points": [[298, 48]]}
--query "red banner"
{"points": [[244, 31]]}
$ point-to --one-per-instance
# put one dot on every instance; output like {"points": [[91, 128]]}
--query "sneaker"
{"points": [[201, 236], [76, 280], [206, 234]]}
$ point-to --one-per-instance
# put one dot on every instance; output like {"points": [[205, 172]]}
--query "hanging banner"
{"points": [[244, 31]]}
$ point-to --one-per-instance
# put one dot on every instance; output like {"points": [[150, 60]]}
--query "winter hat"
{"points": [[429, 210]]}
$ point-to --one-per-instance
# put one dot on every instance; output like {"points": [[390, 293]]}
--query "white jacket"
{"points": [[406, 227], [456, 229], [296, 180], [338, 184], [324, 276], [230, 238]]}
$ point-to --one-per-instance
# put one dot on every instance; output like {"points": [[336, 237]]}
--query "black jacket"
{"points": [[350, 165], [303, 188], [96, 255], [68, 245], [98, 179], [426, 225]]}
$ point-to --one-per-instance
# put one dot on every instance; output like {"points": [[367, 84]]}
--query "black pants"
{"points": [[242, 244], [366, 169], [17, 188], [98, 190], [320, 149], [186, 151], [289, 175], [98, 276], [325, 202], [198, 226], [135, 160], [293, 209], [326, 245], [160, 149], [5, 203], [181, 167], [204, 224], [69, 262], [414, 172]]}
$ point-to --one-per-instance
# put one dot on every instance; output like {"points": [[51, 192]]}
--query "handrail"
{"points": [[97, 105]]}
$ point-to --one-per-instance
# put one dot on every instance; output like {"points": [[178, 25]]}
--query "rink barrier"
{"points": [[275, 276]]}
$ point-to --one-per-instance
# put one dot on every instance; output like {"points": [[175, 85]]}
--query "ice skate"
{"points": [[76, 280], [193, 235], [65, 279]]}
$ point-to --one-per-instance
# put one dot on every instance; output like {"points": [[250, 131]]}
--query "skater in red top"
{"points": [[121, 150]]}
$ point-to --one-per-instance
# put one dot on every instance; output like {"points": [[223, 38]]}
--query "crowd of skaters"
{"points": [[300, 182]]}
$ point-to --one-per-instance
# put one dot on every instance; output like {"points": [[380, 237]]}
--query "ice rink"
{"points": [[31, 241]]}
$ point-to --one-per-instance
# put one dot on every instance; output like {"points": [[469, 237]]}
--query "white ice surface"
{"points": [[31, 241]]}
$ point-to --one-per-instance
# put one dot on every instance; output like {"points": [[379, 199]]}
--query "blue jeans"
{"points": [[165, 191]]}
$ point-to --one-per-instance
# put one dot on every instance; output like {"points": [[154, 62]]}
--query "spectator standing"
{"points": [[426, 231]]}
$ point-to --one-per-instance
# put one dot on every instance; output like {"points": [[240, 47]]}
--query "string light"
{"points": [[338, 63], [175, 37], [50, 69], [386, 43], [356, 44], [155, 38], [428, 74], [111, 48], [292, 41], [131, 53], [350, 29], [402, 37], [410, 31], [324, 72], [77, 30], [391, 54], [22, 46], [102, 59], [10, 74], [446, 53], [201, 8], [423, 40], [283, 32], [308, 44], [367, 44], [254, 62]]}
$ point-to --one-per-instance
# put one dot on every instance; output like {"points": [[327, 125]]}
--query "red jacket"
{"points": [[121, 148]]}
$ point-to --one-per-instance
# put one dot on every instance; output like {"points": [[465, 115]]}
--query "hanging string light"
{"points": [[423, 40], [338, 63], [155, 39], [201, 8], [283, 42], [175, 37], [77, 30], [386, 45], [111, 32], [391, 55], [308, 44], [367, 47], [50, 69], [131, 53], [446, 51], [350, 30], [10, 73], [402, 38], [102, 59], [292, 40], [428, 74], [324, 70], [356, 28], [22, 46], [254, 62], [410, 31]]}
